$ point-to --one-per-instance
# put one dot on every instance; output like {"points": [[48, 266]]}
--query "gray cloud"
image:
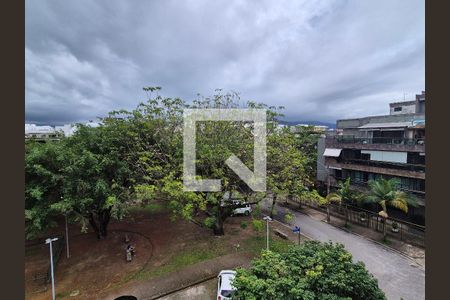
{"points": [[322, 60]]}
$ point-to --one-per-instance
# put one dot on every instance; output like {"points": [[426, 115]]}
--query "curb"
{"points": [[307, 236], [161, 295], [181, 288]]}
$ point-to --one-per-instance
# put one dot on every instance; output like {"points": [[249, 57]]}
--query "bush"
{"points": [[313, 270], [288, 217], [258, 225], [209, 222], [244, 225], [257, 211]]}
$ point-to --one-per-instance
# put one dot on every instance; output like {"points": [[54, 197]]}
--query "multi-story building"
{"points": [[391, 146]]}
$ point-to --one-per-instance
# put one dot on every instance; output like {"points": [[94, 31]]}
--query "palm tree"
{"points": [[385, 193], [342, 195]]}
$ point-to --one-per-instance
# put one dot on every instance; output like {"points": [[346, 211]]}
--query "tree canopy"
{"points": [[314, 270], [136, 156]]}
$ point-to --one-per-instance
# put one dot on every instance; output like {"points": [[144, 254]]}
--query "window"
{"points": [[399, 108]]}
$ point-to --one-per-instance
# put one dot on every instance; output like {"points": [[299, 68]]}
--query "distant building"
{"points": [[392, 146], [46, 132], [33, 131]]}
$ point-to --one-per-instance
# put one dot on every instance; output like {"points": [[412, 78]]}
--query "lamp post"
{"points": [[268, 219], [49, 241]]}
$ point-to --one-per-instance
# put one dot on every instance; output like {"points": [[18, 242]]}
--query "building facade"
{"points": [[389, 146]]}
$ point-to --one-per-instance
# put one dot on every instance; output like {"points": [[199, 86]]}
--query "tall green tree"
{"points": [[286, 166], [385, 192], [306, 138], [44, 179], [215, 143], [311, 271]]}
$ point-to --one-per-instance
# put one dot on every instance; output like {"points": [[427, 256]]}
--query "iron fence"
{"points": [[397, 229]]}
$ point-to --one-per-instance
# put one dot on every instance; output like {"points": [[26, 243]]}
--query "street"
{"points": [[397, 276]]}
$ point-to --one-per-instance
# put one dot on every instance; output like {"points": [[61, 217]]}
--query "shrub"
{"points": [[209, 222], [313, 270], [288, 217], [258, 225], [244, 225], [257, 211]]}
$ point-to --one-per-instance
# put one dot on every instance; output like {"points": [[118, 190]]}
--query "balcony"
{"points": [[377, 167], [382, 164], [378, 143]]}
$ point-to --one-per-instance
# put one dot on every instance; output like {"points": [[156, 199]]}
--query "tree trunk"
{"points": [[274, 200], [346, 215], [99, 222], [218, 224], [328, 213], [384, 229]]}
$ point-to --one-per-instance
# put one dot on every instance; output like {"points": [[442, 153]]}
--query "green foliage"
{"points": [[44, 184], [288, 217], [256, 213], [137, 156], [244, 224], [209, 222], [84, 176], [344, 194], [286, 173], [386, 193], [258, 225], [313, 270]]}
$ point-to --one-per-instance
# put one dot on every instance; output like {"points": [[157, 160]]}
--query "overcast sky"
{"points": [[322, 60]]}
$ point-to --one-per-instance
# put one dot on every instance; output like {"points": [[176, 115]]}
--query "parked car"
{"points": [[246, 210], [224, 288]]}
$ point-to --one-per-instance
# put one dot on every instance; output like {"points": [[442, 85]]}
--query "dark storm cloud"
{"points": [[322, 60]]}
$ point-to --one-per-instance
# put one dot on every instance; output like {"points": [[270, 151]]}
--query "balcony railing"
{"points": [[378, 140], [380, 164]]}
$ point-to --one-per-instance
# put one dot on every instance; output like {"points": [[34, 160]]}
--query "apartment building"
{"points": [[391, 146]]}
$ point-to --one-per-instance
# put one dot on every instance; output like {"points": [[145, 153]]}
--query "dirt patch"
{"points": [[163, 247]]}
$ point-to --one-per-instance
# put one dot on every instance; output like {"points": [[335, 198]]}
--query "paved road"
{"points": [[397, 276]]}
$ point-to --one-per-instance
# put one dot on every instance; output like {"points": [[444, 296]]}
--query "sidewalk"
{"points": [[415, 253], [157, 287]]}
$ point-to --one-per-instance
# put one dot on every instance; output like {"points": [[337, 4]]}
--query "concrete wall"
{"points": [[405, 109]]}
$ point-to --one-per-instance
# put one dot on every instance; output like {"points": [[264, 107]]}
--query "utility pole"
{"points": [[49, 241], [267, 218]]}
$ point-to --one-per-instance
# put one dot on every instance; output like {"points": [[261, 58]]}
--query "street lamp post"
{"points": [[268, 219], [49, 241]]}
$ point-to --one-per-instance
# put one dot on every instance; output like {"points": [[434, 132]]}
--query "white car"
{"points": [[246, 210], [224, 288]]}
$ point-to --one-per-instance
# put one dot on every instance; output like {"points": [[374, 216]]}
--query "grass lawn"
{"points": [[198, 253]]}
